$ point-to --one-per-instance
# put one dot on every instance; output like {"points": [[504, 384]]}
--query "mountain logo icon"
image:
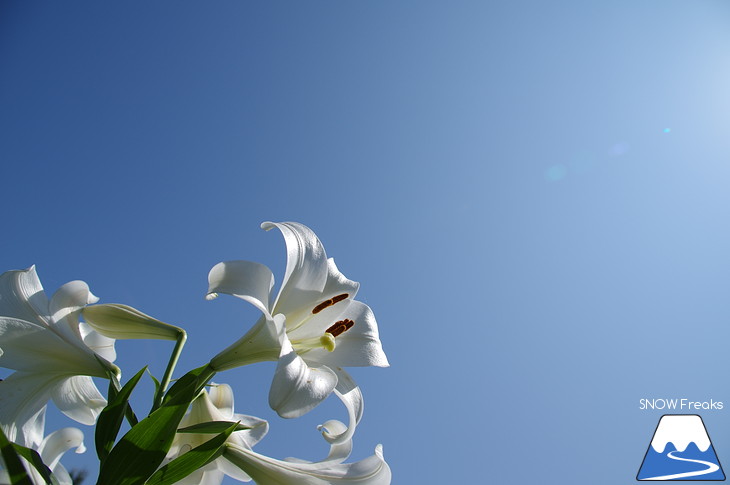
{"points": [[681, 450]]}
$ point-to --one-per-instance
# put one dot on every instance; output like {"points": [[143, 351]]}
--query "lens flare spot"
{"points": [[620, 148], [556, 173]]}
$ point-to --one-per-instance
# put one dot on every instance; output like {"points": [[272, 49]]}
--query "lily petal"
{"points": [[22, 296], [305, 323], [100, 344], [34, 429], [218, 405], [221, 398], [232, 470], [247, 280], [370, 471], [65, 306], [51, 448], [79, 399], [61, 475], [339, 452], [358, 346], [296, 387], [306, 266], [351, 396], [339, 283], [208, 475], [23, 395], [259, 344], [59, 442], [31, 347]]}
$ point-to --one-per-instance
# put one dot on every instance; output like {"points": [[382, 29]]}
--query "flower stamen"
{"points": [[329, 303], [340, 327], [326, 341]]}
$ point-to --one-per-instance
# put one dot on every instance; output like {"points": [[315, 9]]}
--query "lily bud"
{"points": [[124, 322]]}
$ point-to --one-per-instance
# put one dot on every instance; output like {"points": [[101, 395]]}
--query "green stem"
{"points": [[181, 338]]}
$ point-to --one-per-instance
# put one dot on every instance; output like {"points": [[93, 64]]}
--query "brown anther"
{"points": [[340, 327], [335, 331], [321, 306], [329, 303]]}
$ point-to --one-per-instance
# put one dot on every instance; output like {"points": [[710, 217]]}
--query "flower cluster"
{"points": [[312, 328]]}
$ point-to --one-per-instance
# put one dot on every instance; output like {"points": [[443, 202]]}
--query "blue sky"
{"points": [[533, 196]]}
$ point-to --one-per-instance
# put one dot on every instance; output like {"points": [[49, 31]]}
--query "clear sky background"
{"points": [[533, 195]]}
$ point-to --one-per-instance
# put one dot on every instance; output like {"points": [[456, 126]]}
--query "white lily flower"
{"points": [[313, 327], [216, 405], [52, 352], [51, 448], [265, 470]]}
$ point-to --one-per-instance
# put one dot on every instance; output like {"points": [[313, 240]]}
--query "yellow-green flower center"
{"points": [[326, 341]]}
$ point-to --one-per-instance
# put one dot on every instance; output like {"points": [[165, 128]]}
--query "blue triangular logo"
{"points": [[681, 450]]}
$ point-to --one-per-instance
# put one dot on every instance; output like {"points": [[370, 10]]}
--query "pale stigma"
{"points": [[325, 341]]}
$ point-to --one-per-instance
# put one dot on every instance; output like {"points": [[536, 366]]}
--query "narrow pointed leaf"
{"points": [[155, 381], [35, 459], [141, 451], [110, 419], [194, 459], [13, 464], [212, 427], [114, 387]]}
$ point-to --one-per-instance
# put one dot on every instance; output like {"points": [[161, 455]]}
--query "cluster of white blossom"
{"points": [[312, 328]]}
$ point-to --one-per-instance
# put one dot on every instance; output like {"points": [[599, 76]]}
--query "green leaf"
{"points": [[35, 459], [138, 454], [156, 382], [194, 459], [114, 386], [212, 427], [113, 373], [110, 419], [14, 466]]}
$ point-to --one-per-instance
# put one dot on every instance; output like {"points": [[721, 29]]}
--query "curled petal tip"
{"points": [[379, 451], [211, 296], [331, 428], [267, 225]]}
